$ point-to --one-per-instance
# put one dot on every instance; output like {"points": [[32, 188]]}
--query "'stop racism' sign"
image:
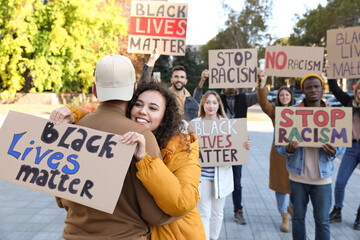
{"points": [[286, 61], [313, 127], [232, 68]]}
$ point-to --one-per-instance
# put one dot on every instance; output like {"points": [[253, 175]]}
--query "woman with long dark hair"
{"points": [[278, 174]]}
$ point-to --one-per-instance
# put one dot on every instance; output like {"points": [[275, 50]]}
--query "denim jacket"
{"points": [[295, 161]]}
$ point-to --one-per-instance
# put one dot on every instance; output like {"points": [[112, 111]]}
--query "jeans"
{"points": [[211, 209], [281, 202], [320, 196], [348, 163], [236, 195]]}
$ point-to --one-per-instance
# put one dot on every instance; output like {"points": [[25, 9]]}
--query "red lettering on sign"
{"points": [[273, 58], [288, 122], [304, 114], [219, 140], [163, 27], [229, 141], [336, 114], [325, 118]]}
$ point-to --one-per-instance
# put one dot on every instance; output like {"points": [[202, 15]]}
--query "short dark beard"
{"points": [[180, 88]]}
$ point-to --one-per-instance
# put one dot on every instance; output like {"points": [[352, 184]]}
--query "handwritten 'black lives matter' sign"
{"points": [[221, 142], [343, 52], [313, 127], [232, 68], [289, 61], [160, 25], [72, 162]]}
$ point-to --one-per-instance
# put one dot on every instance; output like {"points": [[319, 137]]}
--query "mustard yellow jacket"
{"points": [[173, 182]]}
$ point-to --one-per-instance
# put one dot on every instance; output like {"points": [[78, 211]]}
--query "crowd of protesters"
{"points": [[166, 194]]}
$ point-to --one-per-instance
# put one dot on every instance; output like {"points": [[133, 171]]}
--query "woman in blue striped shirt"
{"points": [[215, 182]]}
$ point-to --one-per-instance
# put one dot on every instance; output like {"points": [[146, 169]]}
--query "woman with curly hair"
{"points": [[172, 181], [278, 174]]}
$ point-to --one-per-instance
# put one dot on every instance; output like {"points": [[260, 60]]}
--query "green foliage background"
{"points": [[54, 46], [311, 28]]}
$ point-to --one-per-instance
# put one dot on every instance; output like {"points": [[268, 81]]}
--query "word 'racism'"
{"points": [[319, 133]]}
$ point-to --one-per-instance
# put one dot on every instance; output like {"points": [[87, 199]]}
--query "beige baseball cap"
{"points": [[114, 78]]}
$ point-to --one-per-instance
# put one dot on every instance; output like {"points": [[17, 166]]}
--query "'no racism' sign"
{"points": [[288, 61]]}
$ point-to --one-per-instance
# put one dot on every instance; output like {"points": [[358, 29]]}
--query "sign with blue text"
{"points": [[221, 141], [80, 164], [343, 52], [313, 127]]}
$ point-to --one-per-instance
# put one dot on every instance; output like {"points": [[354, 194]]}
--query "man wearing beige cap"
{"points": [[114, 86]]}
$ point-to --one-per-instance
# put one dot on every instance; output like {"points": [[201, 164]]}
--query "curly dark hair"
{"points": [[172, 121], [292, 101]]}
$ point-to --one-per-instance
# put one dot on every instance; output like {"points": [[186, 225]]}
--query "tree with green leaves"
{"points": [[244, 29], [54, 45], [192, 63], [163, 65], [311, 29]]}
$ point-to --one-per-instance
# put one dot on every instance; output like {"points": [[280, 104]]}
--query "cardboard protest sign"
{"points": [[313, 127], [285, 61], [72, 162], [221, 141], [343, 52], [232, 68], [160, 25]]}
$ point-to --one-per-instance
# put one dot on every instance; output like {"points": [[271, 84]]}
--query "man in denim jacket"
{"points": [[310, 170]]}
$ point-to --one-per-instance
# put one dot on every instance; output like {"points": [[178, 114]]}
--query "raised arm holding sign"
{"points": [[278, 174], [350, 158]]}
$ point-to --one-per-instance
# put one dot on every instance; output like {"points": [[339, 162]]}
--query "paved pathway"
{"points": [[29, 215]]}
